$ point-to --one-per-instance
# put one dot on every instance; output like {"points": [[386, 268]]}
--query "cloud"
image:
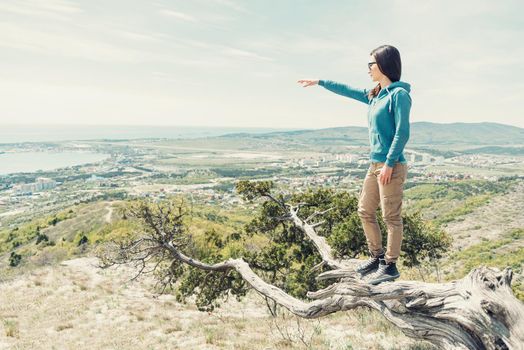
{"points": [[299, 44], [233, 5], [179, 15], [51, 9], [231, 51], [69, 44], [141, 37], [215, 49], [66, 44], [210, 18]]}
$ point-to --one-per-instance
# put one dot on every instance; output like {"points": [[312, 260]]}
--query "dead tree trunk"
{"points": [[478, 311]]}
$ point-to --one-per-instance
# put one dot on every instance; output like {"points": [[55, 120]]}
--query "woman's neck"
{"points": [[384, 82]]}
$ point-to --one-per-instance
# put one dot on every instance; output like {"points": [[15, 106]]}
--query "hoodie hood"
{"points": [[393, 86]]}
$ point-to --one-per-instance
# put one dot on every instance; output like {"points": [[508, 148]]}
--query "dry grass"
{"points": [[76, 305], [11, 328], [490, 221]]}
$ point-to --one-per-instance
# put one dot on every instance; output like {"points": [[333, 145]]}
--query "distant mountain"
{"points": [[466, 133], [422, 133]]}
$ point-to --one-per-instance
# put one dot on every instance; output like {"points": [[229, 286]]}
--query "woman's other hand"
{"points": [[385, 174], [308, 82]]}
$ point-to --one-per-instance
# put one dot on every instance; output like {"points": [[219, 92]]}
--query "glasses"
{"points": [[370, 64]]}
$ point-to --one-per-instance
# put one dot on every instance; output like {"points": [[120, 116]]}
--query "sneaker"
{"points": [[385, 272], [369, 266]]}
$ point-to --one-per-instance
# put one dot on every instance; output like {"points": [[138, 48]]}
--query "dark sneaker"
{"points": [[385, 272], [369, 266]]}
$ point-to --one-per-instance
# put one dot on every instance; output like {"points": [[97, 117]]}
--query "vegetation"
{"points": [[455, 190], [466, 207], [20, 235], [242, 172], [14, 259], [508, 251], [449, 201], [275, 248]]}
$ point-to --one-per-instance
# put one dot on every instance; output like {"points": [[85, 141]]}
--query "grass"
{"points": [[466, 207], [213, 335], [61, 327], [507, 251], [11, 328], [176, 327], [129, 318], [443, 203], [89, 220], [20, 235]]}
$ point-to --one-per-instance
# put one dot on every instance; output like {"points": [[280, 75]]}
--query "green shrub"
{"points": [[41, 237], [83, 240], [14, 259]]}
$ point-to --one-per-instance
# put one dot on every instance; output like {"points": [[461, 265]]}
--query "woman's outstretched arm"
{"points": [[338, 88], [346, 90]]}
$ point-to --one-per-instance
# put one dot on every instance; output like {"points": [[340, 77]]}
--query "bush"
{"points": [[83, 240], [14, 259], [41, 237]]}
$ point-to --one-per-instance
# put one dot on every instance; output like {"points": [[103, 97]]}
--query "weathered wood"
{"points": [[320, 242]]}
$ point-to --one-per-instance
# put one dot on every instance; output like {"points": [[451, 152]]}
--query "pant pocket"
{"points": [[392, 207], [400, 172]]}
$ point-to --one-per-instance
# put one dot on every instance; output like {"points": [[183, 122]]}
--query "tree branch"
{"points": [[320, 243]]}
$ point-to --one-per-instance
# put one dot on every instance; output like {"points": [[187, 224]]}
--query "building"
{"points": [[41, 184]]}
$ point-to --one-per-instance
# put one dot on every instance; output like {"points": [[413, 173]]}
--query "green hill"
{"points": [[422, 133]]}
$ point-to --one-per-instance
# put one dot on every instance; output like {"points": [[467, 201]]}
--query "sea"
{"points": [[44, 133], [15, 162], [29, 162]]}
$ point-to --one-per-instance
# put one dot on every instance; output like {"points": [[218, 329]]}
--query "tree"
{"points": [[476, 312]]}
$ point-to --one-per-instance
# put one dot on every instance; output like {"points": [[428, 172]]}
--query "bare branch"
{"points": [[317, 224], [318, 213], [320, 243]]}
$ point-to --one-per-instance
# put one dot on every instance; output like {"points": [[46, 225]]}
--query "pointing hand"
{"points": [[308, 82]]}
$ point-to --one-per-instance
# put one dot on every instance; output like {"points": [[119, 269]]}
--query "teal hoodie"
{"points": [[388, 118]]}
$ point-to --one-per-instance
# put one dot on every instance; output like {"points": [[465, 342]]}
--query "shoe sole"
{"points": [[383, 279]]}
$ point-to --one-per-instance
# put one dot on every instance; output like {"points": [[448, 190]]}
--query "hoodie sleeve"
{"points": [[402, 107], [345, 90]]}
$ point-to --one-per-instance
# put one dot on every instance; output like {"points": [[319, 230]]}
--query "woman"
{"points": [[388, 121]]}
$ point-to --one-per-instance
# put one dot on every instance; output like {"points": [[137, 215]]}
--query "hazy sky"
{"points": [[236, 63]]}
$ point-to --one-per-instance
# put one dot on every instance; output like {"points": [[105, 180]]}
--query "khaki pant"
{"points": [[389, 197]]}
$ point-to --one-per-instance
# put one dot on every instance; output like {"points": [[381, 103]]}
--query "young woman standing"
{"points": [[388, 121]]}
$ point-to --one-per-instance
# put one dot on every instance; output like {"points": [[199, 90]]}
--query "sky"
{"points": [[236, 63]]}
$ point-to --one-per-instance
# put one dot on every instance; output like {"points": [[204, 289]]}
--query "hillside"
{"points": [[422, 133]]}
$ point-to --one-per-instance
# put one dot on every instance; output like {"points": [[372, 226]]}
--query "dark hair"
{"points": [[389, 63]]}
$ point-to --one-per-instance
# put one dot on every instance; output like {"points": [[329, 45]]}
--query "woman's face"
{"points": [[374, 72]]}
